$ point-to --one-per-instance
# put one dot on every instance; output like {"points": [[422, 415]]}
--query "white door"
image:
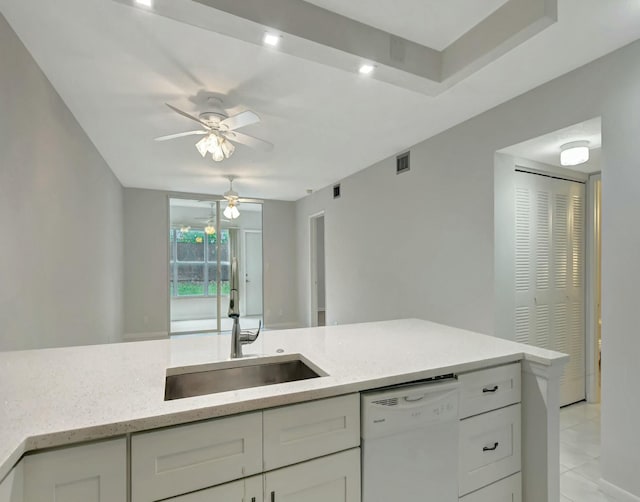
{"points": [[253, 272], [335, 478], [549, 272]]}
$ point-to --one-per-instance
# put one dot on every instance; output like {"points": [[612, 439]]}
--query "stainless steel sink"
{"points": [[238, 374]]}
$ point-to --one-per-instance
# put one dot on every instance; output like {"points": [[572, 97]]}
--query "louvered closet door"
{"points": [[549, 272]]}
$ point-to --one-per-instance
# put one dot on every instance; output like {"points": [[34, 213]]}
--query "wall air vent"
{"points": [[336, 191], [402, 163]]}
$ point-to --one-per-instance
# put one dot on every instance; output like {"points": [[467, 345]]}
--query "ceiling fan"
{"points": [[233, 200], [219, 130]]}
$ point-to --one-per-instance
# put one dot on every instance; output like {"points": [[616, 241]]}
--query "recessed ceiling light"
{"points": [[145, 3], [271, 39], [365, 69]]}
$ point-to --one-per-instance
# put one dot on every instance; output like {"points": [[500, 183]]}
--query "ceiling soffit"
{"points": [[319, 35]]}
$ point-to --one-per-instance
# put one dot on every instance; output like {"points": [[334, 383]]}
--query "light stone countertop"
{"points": [[54, 397]]}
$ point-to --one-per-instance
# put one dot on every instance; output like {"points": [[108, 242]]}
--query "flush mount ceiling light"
{"points": [[366, 69], [219, 147], [574, 153], [232, 197], [271, 39]]}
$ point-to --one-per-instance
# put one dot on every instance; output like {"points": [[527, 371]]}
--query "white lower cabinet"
{"points": [[506, 490], [490, 447], [244, 490], [12, 486], [95, 472], [186, 458], [334, 478]]}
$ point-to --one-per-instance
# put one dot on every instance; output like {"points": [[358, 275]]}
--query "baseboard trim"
{"points": [[282, 325], [138, 337], [616, 492]]}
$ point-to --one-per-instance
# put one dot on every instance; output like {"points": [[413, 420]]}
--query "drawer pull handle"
{"points": [[490, 448], [488, 390], [253, 499], [273, 496]]}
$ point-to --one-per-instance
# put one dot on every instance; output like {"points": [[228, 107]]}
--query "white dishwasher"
{"points": [[410, 443]]}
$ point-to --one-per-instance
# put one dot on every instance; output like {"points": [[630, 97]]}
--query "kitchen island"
{"points": [[67, 396]]}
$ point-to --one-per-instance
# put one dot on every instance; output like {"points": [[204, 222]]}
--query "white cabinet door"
{"points": [[490, 448], [506, 490], [11, 486], [244, 490], [304, 431], [334, 478], [186, 458], [95, 472]]}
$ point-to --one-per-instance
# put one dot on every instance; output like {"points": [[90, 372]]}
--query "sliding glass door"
{"points": [[202, 243]]}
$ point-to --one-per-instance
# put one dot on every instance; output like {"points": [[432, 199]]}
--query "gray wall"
{"points": [[434, 257], [146, 217], [61, 251]]}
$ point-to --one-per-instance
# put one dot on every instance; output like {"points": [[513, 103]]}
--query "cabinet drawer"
{"points": [[244, 490], [506, 490], [95, 472], [302, 431], [489, 389], [489, 448], [186, 458]]}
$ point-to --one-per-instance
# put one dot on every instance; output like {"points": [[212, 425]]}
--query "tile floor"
{"points": [[580, 454]]}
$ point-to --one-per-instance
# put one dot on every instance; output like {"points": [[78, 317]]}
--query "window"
{"points": [[194, 265]]}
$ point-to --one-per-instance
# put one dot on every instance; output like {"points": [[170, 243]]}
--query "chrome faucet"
{"points": [[238, 337]]}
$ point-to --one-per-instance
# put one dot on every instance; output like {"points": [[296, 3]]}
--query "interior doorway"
{"points": [[547, 251], [318, 310]]}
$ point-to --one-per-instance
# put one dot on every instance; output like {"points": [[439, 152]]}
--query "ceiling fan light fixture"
{"points": [[231, 211], [203, 145], [227, 147], [574, 153]]}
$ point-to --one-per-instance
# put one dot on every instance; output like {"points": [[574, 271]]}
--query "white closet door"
{"points": [[549, 272]]}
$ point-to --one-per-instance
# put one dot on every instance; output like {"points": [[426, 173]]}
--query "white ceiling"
{"points": [[546, 148], [116, 66], [432, 23]]}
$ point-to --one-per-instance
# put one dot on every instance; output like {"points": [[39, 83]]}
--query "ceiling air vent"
{"points": [[336, 191], [402, 163]]}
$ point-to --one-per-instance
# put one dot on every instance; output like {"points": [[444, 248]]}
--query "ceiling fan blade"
{"points": [[245, 139], [181, 134], [185, 114], [242, 119], [252, 201]]}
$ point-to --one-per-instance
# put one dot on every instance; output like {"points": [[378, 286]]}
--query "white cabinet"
{"points": [[11, 487], [244, 490], [490, 435], [193, 462], [334, 478], [505, 490], [489, 389], [182, 459], [95, 472], [303, 431]]}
